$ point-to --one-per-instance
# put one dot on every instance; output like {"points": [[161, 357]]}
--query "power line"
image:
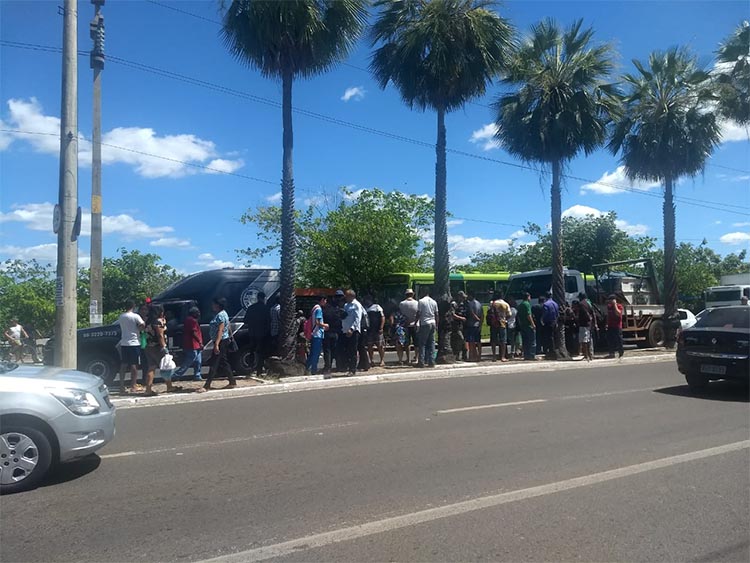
{"points": [[713, 205]]}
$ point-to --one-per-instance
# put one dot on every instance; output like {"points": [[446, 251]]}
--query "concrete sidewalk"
{"points": [[390, 375]]}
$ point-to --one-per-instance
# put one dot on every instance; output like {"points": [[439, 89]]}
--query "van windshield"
{"points": [[723, 295]]}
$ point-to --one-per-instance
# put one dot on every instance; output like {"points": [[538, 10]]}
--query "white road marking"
{"points": [[456, 509], [230, 440], [493, 406], [531, 401]]}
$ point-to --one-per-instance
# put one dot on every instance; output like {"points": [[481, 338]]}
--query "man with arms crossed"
{"points": [[130, 344]]}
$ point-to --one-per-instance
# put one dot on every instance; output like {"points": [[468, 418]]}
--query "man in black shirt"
{"points": [[332, 317], [257, 321], [537, 310]]}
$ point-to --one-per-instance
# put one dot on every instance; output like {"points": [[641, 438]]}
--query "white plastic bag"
{"points": [[167, 363]]}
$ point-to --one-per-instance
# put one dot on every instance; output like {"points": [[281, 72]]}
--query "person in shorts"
{"points": [[583, 315], [474, 314], [497, 319], [376, 323], [131, 324], [410, 310]]}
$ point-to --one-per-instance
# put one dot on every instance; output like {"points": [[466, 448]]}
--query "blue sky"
{"points": [[189, 215]]}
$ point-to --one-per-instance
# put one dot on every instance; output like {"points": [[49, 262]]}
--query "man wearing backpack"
{"points": [[497, 319], [315, 331]]}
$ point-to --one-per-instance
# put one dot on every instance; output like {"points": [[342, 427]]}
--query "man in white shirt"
{"points": [[428, 319], [351, 328], [15, 335], [131, 324], [410, 310]]}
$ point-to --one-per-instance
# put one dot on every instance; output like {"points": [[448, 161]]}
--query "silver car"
{"points": [[48, 415]]}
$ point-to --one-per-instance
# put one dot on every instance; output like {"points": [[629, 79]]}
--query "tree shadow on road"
{"points": [[65, 472], [726, 391]]}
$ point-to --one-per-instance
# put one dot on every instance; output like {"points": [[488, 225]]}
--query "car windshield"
{"points": [[6, 367], [734, 317]]}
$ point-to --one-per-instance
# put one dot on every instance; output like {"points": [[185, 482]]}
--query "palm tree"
{"points": [[439, 54], [665, 132], [291, 39], [733, 80], [560, 105]]}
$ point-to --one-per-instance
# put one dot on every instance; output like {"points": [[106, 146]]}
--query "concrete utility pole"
{"points": [[96, 307], [67, 214]]}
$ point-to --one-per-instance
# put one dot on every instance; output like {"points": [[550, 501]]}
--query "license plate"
{"points": [[713, 370]]}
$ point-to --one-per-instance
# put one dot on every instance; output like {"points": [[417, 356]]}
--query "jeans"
{"points": [[329, 349], [529, 343], [350, 344], [363, 358], [547, 338], [316, 346], [220, 365], [426, 353], [614, 341], [192, 359]]}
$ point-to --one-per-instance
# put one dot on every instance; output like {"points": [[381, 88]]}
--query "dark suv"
{"points": [[97, 352]]}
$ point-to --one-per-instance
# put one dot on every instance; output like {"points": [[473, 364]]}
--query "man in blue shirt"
{"points": [[550, 316], [318, 332]]}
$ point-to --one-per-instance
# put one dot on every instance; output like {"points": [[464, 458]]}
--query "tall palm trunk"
{"points": [[558, 278], [670, 275], [287, 336], [441, 291]]}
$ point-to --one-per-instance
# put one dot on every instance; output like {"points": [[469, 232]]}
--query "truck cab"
{"points": [[726, 295]]}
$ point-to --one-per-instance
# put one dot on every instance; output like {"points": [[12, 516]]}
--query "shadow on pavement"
{"points": [[71, 471], [727, 391]]}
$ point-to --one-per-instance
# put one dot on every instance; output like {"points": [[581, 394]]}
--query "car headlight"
{"points": [[78, 402]]}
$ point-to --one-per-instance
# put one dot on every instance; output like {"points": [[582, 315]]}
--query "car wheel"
{"points": [[102, 367], [243, 360], [25, 457], [697, 382]]}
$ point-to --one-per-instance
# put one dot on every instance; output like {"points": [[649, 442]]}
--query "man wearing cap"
{"points": [[409, 308], [615, 313]]}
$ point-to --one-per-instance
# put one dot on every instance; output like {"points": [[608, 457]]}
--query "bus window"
{"points": [[456, 286], [483, 290]]}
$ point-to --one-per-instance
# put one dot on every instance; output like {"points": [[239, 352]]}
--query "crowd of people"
{"points": [[348, 334]]}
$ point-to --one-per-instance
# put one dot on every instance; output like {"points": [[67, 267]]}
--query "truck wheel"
{"points": [[25, 457], [102, 366], [243, 360], [656, 335], [697, 382]]}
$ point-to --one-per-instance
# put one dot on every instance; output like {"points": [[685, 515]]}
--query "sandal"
{"points": [[201, 390], [151, 393]]}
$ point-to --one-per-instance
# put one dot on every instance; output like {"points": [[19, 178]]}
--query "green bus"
{"points": [[483, 286]]}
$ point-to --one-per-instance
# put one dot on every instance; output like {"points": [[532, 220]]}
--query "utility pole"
{"points": [[67, 217], [96, 29]]}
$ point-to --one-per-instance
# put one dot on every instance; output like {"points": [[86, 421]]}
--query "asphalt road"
{"points": [[603, 464]]}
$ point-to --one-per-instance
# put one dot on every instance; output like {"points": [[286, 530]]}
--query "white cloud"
{"points": [[743, 224], [735, 178], [355, 93], [518, 234], [717, 222], [485, 136], [582, 211], [275, 198], [353, 194], [454, 222], [181, 155], [461, 245], [210, 262], [735, 238], [38, 217], [171, 242], [42, 253], [633, 230], [731, 131], [606, 184]]}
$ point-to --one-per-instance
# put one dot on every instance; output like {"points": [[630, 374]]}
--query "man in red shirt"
{"points": [[192, 345], [615, 313]]}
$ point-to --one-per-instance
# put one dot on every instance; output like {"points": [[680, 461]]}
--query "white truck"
{"points": [[636, 292], [731, 291]]}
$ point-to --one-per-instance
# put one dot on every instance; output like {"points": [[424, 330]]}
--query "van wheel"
{"points": [[243, 360], [101, 366], [25, 457], [656, 334]]}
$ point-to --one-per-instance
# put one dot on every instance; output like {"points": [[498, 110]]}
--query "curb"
{"points": [[316, 382]]}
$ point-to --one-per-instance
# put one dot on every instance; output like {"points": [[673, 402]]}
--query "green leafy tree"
{"points": [[287, 40], [356, 242], [560, 106], [439, 55], [733, 80], [131, 275], [666, 133], [27, 293]]}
